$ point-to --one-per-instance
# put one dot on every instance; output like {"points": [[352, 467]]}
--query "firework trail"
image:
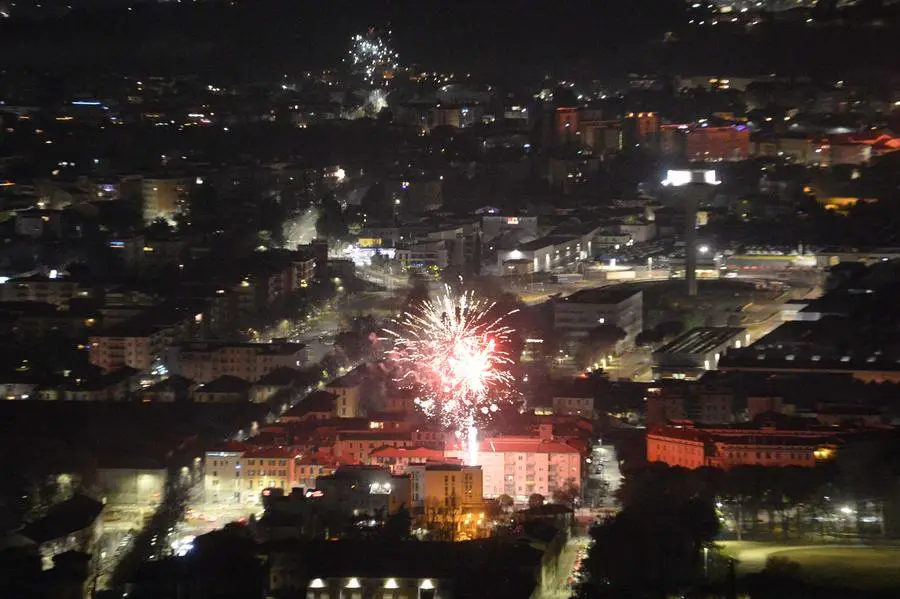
{"points": [[451, 349]]}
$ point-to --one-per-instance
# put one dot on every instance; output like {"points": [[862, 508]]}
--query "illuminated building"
{"points": [[641, 129], [519, 465], [566, 125], [162, 198], [239, 474], [449, 497], [551, 252], [762, 442], [705, 143], [446, 485], [457, 116], [134, 345]]}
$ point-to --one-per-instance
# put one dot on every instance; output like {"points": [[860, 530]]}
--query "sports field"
{"points": [[854, 566]]}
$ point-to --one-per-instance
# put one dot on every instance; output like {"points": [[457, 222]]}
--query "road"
{"points": [[559, 586]]}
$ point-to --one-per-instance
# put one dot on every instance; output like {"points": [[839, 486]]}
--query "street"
{"points": [[559, 583]]}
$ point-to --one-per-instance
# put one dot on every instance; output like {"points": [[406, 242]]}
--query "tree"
{"points": [[567, 494], [203, 208], [505, 501], [653, 545], [605, 336], [535, 500], [418, 293], [648, 337], [331, 223], [669, 328], [397, 525], [159, 228], [600, 341]]}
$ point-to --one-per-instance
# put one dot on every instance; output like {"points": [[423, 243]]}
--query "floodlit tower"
{"points": [[691, 186]]}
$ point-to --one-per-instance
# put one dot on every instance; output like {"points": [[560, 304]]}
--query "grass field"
{"points": [[854, 566]]}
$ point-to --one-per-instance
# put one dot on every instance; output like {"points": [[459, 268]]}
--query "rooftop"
{"points": [[317, 401], [225, 384], [517, 444], [701, 340], [544, 242], [279, 377], [602, 295], [407, 453]]}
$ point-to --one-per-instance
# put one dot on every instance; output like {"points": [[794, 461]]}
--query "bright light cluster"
{"points": [[450, 347], [371, 58]]}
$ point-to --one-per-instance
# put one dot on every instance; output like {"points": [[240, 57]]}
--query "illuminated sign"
{"points": [[512, 220]]}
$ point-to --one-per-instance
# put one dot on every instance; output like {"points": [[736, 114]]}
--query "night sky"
{"points": [[498, 40]]}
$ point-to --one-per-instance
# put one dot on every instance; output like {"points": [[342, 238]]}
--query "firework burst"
{"points": [[451, 349]]}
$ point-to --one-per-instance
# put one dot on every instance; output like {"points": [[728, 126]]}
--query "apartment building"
{"points": [[520, 465], [49, 289], [443, 485], [162, 197], [204, 362], [238, 474], [130, 344], [761, 443]]}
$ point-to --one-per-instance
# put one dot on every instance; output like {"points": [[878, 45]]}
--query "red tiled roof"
{"points": [[374, 436], [270, 452], [407, 452]]}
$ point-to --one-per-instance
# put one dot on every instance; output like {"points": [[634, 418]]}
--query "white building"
{"points": [[579, 313], [519, 466], [549, 253]]}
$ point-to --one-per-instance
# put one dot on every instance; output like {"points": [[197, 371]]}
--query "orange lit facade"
{"points": [[690, 447], [704, 143], [718, 143], [641, 128], [567, 123]]}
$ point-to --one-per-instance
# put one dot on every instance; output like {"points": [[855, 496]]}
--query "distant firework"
{"points": [[371, 58], [452, 348]]}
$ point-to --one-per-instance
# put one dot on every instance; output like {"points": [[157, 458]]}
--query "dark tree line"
{"points": [[653, 546]]}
